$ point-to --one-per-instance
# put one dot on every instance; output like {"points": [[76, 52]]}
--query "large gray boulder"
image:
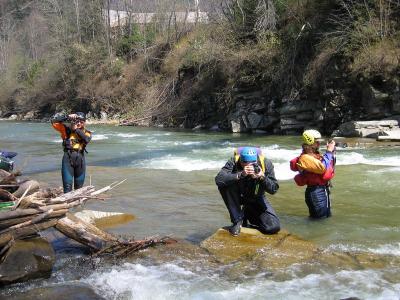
{"points": [[370, 129], [27, 259]]}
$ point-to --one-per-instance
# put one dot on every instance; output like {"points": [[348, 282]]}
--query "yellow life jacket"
{"points": [[75, 142], [311, 164], [260, 157]]}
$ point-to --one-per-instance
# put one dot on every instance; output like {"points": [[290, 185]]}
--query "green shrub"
{"points": [[129, 46]]}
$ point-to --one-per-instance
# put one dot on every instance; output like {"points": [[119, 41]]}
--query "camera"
{"points": [[257, 168]]}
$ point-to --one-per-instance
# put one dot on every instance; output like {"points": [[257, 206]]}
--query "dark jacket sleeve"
{"points": [[270, 183], [228, 174], [58, 118], [85, 135]]}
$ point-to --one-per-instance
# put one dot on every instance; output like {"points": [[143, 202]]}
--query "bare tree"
{"points": [[78, 26], [7, 29], [266, 16]]}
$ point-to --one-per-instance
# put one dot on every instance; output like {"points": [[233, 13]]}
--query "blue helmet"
{"points": [[248, 154]]}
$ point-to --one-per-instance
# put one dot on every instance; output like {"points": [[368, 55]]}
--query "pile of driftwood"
{"points": [[31, 214]]}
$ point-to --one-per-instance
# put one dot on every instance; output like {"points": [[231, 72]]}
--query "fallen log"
{"points": [[8, 223], [84, 233], [34, 220], [71, 196], [26, 231], [120, 249]]}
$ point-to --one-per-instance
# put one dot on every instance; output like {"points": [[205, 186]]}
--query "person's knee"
{"points": [[269, 224], [319, 213], [270, 229]]}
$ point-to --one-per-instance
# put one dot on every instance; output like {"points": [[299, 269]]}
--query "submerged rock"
{"points": [[281, 249], [27, 259], [59, 292], [103, 219]]}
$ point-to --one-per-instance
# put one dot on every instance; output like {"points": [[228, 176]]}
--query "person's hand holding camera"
{"points": [[258, 172], [252, 170], [248, 170], [72, 117]]}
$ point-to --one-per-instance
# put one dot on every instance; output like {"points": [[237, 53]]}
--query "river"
{"points": [[170, 189]]}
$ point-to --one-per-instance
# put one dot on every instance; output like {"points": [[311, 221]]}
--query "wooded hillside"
{"points": [[275, 65]]}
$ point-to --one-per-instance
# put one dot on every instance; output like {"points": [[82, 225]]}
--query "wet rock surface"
{"points": [[103, 219], [59, 292], [279, 251], [27, 259], [282, 249]]}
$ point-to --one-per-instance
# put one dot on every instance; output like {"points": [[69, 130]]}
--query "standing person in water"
{"points": [[75, 139], [315, 171], [242, 183]]}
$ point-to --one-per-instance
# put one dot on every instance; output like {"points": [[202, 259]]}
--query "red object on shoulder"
{"points": [[311, 179], [293, 164]]}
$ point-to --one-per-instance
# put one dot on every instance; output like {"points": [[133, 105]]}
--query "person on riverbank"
{"points": [[75, 139], [242, 183], [8, 154], [6, 162], [315, 171]]}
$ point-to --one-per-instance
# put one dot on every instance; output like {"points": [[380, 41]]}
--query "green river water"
{"points": [[170, 189]]}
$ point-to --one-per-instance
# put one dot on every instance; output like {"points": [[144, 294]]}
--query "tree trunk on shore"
{"points": [[84, 232]]}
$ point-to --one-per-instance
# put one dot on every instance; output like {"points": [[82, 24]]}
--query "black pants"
{"points": [[258, 212], [318, 201], [73, 170]]}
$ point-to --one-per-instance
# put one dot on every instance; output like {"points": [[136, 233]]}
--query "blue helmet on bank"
{"points": [[248, 154]]}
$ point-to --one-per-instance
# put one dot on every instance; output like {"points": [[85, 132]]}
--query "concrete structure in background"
{"points": [[145, 11]]}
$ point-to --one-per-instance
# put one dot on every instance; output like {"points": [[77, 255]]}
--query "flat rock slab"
{"points": [[103, 219], [283, 249]]}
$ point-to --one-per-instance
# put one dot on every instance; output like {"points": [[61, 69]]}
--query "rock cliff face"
{"points": [[338, 98]]}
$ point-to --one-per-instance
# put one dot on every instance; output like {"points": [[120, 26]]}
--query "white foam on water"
{"points": [[136, 281], [159, 134], [385, 170], [192, 143], [389, 249], [386, 249], [275, 153], [99, 137], [170, 281], [180, 163], [128, 135], [183, 163], [283, 172]]}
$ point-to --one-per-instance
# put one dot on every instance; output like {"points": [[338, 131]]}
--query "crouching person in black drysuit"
{"points": [[242, 183]]}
